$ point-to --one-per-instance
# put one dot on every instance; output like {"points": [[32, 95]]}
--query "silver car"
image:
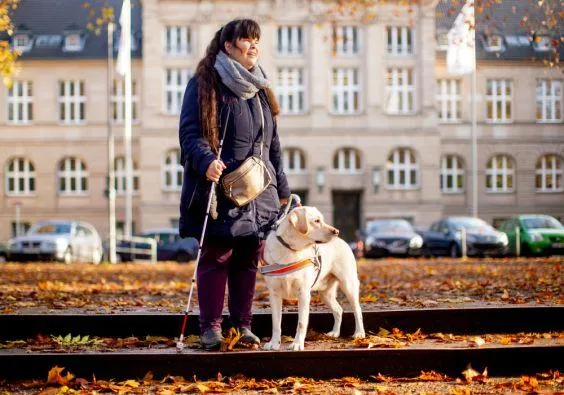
{"points": [[60, 240]]}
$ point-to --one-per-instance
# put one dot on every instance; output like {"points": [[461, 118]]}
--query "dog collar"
{"points": [[284, 243]]}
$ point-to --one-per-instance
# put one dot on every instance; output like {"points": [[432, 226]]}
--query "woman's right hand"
{"points": [[214, 170]]}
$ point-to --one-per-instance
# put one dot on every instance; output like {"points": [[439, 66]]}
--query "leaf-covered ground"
{"points": [[385, 284], [59, 381]]}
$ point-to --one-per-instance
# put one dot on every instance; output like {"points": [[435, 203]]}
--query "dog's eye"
{"points": [[317, 221]]}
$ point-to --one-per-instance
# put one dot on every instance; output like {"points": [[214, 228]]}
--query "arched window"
{"points": [[500, 173], [172, 171], [294, 160], [72, 176], [403, 170], [549, 173], [121, 176], [347, 160], [20, 177], [452, 174]]}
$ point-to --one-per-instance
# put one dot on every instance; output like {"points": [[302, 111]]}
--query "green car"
{"points": [[539, 234]]}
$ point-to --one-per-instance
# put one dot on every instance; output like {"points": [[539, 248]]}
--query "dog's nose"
{"points": [[336, 231]]}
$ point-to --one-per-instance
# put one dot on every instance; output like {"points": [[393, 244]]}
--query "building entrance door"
{"points": [[346, 213]]}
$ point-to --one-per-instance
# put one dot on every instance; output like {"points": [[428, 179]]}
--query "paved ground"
{"points": [[385, 284]]}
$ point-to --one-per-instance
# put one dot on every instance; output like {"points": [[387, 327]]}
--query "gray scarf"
{"points": [[244, 83]]}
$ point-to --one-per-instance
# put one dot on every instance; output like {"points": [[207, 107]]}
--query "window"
{"points": [[403, 170], [72, 176], [452, 174], [22, 42], [346, 40], [494, 43], [172, 171], [549, 101], [178, 40], [20, 102], [499, 174], [20, 177], [442, 41], [346, 91], [549, 173], [294, 160], [542, 43], [400, 40], [291, 90], [21, 229], [449, 100], [176, 81], [498, 100], [290, 41], [121, 176], [118, 101], [347, 160], [400, 91], [73, 43], [72, 101]]}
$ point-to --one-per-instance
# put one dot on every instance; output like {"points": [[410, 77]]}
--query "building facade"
{"points": [[372, 124]]}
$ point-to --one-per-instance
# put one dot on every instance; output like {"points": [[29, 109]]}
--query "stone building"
{"points": [[372, 126]]}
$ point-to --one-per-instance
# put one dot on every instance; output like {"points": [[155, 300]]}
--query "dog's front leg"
{"points": [[276, 307], [304, 300]]}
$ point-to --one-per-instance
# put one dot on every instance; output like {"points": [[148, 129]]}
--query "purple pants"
{"points": [[236, 266]]}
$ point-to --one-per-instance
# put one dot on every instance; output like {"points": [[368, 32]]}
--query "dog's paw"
{"points": [[272, 346], [333, 334], [359, 335], [296, 346]]}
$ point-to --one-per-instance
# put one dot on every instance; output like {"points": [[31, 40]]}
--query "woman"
{"points": [[223, 95]]}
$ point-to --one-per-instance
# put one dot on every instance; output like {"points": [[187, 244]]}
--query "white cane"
{"points": [[180, 343]]}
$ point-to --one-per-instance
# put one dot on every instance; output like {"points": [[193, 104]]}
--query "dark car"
{"points": [[170, 247], [3, 252], [444, 237], [390, 237]]}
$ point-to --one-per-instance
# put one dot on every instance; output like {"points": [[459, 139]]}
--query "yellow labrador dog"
{"points": [[301, 236]]}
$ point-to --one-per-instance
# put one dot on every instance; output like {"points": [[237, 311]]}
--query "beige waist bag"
{"points": [[251, 178]]}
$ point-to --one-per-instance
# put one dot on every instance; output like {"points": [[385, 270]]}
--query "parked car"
{"points": [[3, 252], [61, 240], [170, 247], [444, 237], [390, 237], [539, 234]]}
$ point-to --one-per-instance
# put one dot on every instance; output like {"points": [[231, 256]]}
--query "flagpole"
{"points": [[111, 150], [126, 35], [474, 125]]}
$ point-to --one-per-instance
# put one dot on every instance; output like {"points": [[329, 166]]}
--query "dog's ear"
{"points": [[298, 220]]}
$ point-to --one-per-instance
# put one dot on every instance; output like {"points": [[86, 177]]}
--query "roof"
{"points": [[47, 21], [514, 20]]}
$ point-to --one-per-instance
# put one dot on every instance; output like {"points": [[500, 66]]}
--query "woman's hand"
{"points": [[214, 170]]}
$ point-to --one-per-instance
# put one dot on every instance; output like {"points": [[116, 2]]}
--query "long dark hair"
{"points": [[208, 80]]}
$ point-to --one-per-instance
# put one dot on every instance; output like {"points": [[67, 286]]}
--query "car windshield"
{"points": [[389, 226], [468, 223], [50, 229], [542, 223]]}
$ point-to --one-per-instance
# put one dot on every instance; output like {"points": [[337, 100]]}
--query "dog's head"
{"points": [[307, 223]]}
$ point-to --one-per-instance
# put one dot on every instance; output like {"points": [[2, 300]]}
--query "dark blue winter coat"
{"points": [[242, 139]]}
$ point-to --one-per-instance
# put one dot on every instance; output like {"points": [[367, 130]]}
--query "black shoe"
{"points": [[211, 338], [248, 337]]}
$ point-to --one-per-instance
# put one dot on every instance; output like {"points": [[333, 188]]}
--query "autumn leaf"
{"points": [[477, 341], [471, 375], [232, 338], [54, 376]]}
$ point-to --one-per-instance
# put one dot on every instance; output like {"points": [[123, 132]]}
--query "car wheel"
{"points": [[426, 252], [453, 251], [67, 257], [525, 250], [183, 257], [96, 257]]}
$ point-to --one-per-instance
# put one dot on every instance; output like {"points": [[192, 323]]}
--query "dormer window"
{"points": [[22, 42], [495, 43], [542, 43], [73, 42]]}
